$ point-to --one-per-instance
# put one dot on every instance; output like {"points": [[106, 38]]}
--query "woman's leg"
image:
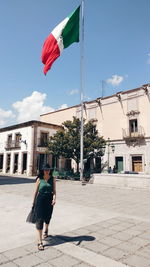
{"points": [[39, 227], [39, 236], [48, 216], [46, 227]]}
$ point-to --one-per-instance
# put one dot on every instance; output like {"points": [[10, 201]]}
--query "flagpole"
{"points": [[81, 88]]}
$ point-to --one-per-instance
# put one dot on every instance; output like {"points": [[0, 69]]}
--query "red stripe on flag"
{"points": [[50, 52]]}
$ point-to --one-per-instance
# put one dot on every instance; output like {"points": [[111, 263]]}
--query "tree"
{"points": [[66, 142]]}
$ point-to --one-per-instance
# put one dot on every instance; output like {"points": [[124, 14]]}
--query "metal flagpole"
{"points": [[81, 87]]}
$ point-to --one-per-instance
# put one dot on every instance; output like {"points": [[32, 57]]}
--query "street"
{"points": [[92, 225]]}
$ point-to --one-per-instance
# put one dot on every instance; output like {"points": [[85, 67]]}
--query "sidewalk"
{"points": [[91, 226]]}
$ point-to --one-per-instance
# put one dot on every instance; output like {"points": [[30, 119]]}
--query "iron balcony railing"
{"points": [[128, 134], [42, 143], [12, 144]]}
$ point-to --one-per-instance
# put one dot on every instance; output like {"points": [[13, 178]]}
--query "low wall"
{"points": [[123, 180]]}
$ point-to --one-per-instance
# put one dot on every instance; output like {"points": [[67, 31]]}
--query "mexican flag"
{"points": [[63, 35]]}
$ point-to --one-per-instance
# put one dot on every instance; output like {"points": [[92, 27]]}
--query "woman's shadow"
{"points": [[60, 239]]}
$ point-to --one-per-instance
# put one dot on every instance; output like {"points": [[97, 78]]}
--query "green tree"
{"points": [[66, 142]]}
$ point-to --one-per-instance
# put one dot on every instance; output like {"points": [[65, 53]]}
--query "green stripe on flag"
{"points": [[70, 33]]}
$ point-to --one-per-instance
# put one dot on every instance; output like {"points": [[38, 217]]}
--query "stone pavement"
{"points": [[91, 226]]}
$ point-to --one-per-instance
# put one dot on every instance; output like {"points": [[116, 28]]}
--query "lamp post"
{"points": [[110, 145]]}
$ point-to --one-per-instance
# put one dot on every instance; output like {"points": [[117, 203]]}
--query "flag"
{"points": [[63, 35]]}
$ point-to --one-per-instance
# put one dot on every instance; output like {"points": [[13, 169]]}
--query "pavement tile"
{"points": [[48, 254], [145, 235], [28, 261], [132, 232], [109, 241], [145, 252], [140, 241], [129, 220], [115, 253], [107, 223], [107, 232], [128, 246], [122, 236], [120, 227], [93, 227], [16, 253], [95, 246], [137, 261], [113, 221], [3, 259], [64, 261], [9, 264], [31, 248], [126, 224], [145, 225], [141, 227]]}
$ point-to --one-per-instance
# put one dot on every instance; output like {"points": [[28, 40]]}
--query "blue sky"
{"points": [[117, 50]]}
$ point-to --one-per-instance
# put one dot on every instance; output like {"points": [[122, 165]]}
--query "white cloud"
{"points": [[30, 108], [86, 98], [74, 92], [148, 62], [63, 106], [5, 117], [115, 80]]}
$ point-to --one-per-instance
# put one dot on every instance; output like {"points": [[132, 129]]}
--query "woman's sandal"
{"points": [[40, 246], [45, 234]]}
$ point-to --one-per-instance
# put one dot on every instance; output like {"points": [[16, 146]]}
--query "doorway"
{"points": [[119, 164], [16, 156], [8, 159], [1, 162], [137, 164], [24, 165]]}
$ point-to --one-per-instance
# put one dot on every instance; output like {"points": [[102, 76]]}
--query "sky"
{"points": [[116, 51]]}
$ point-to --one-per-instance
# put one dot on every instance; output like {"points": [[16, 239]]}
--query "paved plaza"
{"points": [[92, 225]]}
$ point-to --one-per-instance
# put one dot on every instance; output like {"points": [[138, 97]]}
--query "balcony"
{"points": [[129, 135], [12, 145], [42, 143]]}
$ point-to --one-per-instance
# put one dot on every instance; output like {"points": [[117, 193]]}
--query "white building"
{"points": [[23, 147]]}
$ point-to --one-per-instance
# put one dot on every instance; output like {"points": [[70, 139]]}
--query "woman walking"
{"points": [[43, 202]]}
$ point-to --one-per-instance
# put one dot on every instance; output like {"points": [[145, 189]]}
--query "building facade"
{"points": [[123, 120], [23, 147]]}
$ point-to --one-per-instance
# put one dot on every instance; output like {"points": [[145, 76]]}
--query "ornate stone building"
{"points": [[123, 120]]}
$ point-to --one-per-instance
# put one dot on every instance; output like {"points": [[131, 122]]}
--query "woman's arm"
{"points": [[36, 190], [54, 191]]}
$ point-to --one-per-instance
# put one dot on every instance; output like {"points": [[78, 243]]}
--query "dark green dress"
{"points": [[43, 207]]}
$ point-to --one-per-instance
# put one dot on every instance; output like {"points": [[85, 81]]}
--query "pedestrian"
{"points": [[114, 169], [110, 170], [43, 202]]}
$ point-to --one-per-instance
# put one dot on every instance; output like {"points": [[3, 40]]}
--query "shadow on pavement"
{"points": [[15, 180], [60, 239]]}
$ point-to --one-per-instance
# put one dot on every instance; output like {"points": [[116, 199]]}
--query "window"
{"points": [[17, 139], [133, 126], [44, 138], [9, 138]]}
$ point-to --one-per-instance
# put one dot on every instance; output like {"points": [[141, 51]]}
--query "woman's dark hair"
{"points": [[41, 174]]}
